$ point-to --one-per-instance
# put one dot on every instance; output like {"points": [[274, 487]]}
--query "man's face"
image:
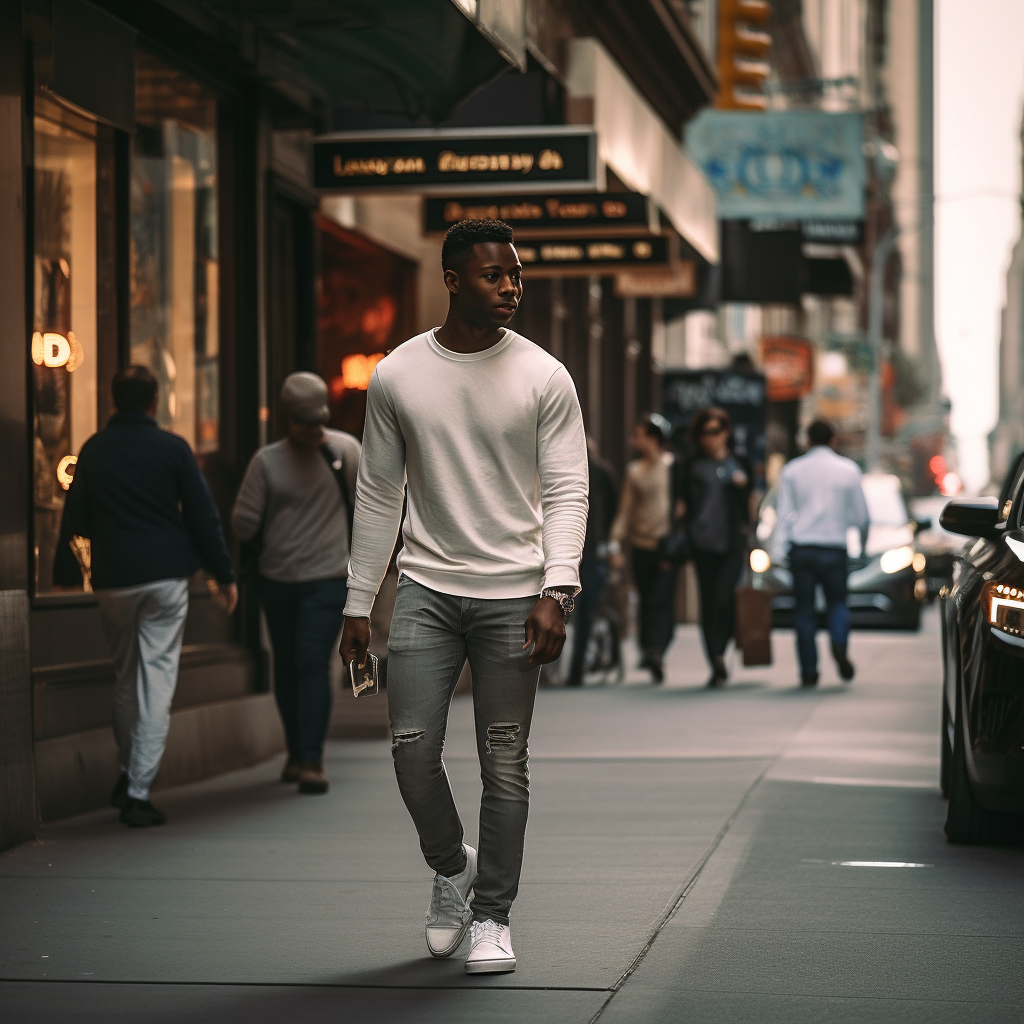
{"points": [[489, 284], [306, 435]]}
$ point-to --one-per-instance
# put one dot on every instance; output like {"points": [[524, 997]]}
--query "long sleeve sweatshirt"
{"points": [[291, 494], [491, 448]]}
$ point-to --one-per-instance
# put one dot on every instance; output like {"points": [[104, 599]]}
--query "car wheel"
{"points": [[945, 754], [966, 820]]}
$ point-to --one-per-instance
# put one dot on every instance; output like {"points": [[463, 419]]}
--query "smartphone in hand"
{"points": [[365, 681]]}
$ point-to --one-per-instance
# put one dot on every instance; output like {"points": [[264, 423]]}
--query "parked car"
{"points": [[982, 612], [937, 545], [886, 586]]}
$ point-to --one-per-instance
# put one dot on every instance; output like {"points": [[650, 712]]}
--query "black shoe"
{"points": [[809, 680], [657, 669], [846, 669], [141, 814], [119, 794]]}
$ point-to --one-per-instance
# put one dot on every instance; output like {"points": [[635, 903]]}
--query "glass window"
{"points": [[174, 270], [63, 342]]}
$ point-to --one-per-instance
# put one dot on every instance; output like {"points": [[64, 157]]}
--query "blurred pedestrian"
{"points": [[139, 498], [820, 498], [485, 429], [712, 490], [643, 519], [297, 499], [602, 504]]}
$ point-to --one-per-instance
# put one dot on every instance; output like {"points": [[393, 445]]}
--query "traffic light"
{"points": [[743, 45]]}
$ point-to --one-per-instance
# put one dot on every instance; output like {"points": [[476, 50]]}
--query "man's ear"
{"points": [[451, 282]]}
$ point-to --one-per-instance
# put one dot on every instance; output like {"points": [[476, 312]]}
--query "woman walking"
{"points": [[712, 490], [644, 518]]}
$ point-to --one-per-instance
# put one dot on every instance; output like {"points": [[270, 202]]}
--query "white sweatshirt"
{"points": [[492, 447]]}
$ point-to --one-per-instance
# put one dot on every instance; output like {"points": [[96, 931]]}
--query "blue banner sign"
{"points": [[785, 164]]}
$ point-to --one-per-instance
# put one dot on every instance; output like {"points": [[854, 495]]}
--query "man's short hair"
{"points": [[134, 389], [820, 432], [461, 237]]}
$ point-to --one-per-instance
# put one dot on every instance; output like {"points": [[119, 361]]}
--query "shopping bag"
{"points": [[754, 625]]}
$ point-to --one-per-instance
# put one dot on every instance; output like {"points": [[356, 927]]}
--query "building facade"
{"points": [[158, 206]]}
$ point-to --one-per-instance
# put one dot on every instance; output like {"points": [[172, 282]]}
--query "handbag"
{"points": [[753, 631], [675, 547]]}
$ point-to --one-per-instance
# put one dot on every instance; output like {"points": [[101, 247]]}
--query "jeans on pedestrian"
{"points": [[812, 565], [717, 575], [303, 620], [432, 636], [144, 626], [593, 576], [656, 585]]}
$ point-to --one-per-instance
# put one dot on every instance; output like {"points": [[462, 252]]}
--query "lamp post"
{"points": [[885, 158], [879, 258]]}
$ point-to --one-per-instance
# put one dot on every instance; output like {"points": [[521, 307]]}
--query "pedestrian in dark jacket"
{"points": [[712, 489], [603, 502], [139, 498], [298, 496]]}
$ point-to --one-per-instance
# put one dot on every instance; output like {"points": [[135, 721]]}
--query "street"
{"points": [[761, 853]]}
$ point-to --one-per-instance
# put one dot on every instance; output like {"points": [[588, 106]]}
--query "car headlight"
{"points": [[1005, 606], [920, 562], [896, 559], [759, 560]]}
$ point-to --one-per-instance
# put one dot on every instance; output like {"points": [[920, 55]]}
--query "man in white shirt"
{"points": [[820, 498], [484, 428]]}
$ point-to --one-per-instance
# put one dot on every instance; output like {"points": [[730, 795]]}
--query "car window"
{"points": [[884, 497]]}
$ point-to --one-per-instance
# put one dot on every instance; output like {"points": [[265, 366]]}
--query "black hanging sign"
{"points": [[543, 212], [590, 255], [417, 159]]}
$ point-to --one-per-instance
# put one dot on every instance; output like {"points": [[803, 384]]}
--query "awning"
{"points": [[414, 58], [635, 143]]}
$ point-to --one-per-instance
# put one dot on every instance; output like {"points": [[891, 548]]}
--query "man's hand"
{"points": [[355, 641], [545, 629], [224, 594]]}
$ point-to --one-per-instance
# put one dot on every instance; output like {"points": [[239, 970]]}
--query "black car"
{"points": [[982, 768]]}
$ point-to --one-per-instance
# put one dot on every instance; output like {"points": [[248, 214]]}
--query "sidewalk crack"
{"points": [[672, 908]]}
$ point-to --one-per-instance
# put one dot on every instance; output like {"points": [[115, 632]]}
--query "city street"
{"points": [[757, 854]]}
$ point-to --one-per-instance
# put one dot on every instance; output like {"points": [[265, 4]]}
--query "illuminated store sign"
{"points": [[527, 213], [55, 350], [423, 159], [592, 255]]}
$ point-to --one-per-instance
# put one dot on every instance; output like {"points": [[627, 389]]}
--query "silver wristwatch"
{"points": [[565, 601]]}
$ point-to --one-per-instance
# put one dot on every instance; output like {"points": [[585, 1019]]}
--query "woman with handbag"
{"points": [[712, 491], [644, 520]]}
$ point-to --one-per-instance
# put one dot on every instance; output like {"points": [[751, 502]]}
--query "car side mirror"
{"points": [[923, 523], [971, 517]]}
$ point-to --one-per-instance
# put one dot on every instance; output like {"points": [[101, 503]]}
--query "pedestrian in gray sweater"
{"points": [[296, 503]]}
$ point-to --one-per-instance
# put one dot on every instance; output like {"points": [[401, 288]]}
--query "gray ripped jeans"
{"points": [[432, 635]]}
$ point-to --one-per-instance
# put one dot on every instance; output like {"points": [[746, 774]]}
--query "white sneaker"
{"points": [[490, 948], [448, 915]]}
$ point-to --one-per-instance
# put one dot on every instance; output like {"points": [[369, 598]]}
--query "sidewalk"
{"points": [[255, 904]]}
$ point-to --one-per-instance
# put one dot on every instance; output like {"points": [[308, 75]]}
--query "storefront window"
{"points": [[63, 341], [174, 270]]}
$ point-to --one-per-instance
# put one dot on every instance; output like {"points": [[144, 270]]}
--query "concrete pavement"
{"points": [[690, 856]]}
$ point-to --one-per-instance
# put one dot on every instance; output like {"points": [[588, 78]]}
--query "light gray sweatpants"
{"points": [[145, 625]]}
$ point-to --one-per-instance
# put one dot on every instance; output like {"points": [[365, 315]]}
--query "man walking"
{"points": [[296, 495], [485, 429], [820, 498], [140, 499]]}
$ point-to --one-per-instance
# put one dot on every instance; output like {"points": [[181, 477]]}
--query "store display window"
{"points": [[174, 270], [63, 344], [366, 307]]}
